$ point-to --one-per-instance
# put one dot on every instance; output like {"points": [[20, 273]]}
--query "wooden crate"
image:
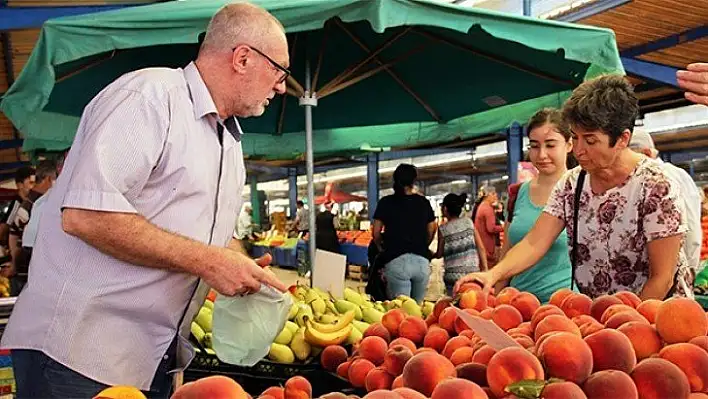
{"points": [[356, 272]]}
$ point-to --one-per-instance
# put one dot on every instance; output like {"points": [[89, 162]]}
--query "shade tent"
{"points": [[420, 72]]}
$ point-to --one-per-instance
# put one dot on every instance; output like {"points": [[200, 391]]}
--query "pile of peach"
{"points": [[615, 346]]}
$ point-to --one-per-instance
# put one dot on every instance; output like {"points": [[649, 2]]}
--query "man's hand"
{"points": [[695, 81], [237, 274]]}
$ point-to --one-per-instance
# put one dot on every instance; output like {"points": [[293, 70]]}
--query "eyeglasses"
{"points": [[285, 71]]}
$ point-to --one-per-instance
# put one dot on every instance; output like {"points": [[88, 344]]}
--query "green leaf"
{"points": [[527, 389]]}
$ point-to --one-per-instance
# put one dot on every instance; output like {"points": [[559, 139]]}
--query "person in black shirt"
{"points": [[326, 238], [404, 227]]}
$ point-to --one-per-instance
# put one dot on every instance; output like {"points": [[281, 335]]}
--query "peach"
{"points": [[701, 341], [378, 330], [413, 328], [462, 355], [426, 370], [697, 395], [610, 384], [392, 320], [505, 296], [566, 356], [621, 318], [507, 317], [358, 371], [491, 300], [382, 394], [421, 350], [629, 298], [469, 286], [526, 303], [431, 320], [483, 355], [559, 296], [543, 312], [332, 356], [525, 341], [460, 325], [475, 372], [511, 365], [583, 319], [331, 395], [562, 390], [680, 320], [645, 340], [473, 299], [555, 323], [441, 305], [397, 382], [525, 327], [373, 349], [649, 308], [458, 388], [295, 387], [590, 328], [692, 360], [396, 358], [487, 314], [613, 310], [453, 344], [601, 303], [436, 338], [611, 350], [407, 393], [343, 369], [403, 341], [274, 392], [479, 343], [469, 334], [657, 378], [576, 305], [218, 387], [378, 378], [447, 319]]}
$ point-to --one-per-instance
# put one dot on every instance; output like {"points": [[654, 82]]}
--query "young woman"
{"points": [[459, 243], [404, 227], [550, 143]]}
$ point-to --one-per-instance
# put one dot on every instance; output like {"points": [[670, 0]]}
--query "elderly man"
{"points": [[642, 143], [145, 209]]}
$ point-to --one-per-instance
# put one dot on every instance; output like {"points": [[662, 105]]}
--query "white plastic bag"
{"points": [[245, 326]]}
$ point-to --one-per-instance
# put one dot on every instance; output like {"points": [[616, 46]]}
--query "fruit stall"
{"points": [[613, 346]]}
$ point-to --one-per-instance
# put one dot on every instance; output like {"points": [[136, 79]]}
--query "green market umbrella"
{"points": [[377, 73]]}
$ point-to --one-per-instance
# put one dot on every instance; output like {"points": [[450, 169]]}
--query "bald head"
{"points": [[241, 23]]}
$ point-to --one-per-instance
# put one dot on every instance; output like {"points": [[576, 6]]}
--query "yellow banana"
{"points": [[342, 322], [317, 338]]}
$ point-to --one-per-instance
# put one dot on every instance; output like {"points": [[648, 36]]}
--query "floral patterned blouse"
{"points": [[616, 226]]}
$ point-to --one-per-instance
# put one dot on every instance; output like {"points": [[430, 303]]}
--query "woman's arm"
{"points": [[432, 228], [441, 245], [663, 258]]}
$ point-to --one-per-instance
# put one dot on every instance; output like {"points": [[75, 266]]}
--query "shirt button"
{"points": [[165, 357]]}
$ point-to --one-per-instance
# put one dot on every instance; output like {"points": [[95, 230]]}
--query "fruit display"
{"points": [[4, 287], [615, 346], [316, 321]]}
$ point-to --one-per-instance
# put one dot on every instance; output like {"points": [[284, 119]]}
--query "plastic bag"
{"points": [[245, 326]]}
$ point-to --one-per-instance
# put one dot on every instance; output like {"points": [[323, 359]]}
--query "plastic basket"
{"points": [[285, 257], [265, 373]]}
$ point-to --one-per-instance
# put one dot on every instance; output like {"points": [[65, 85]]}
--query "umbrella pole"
{"points": [[309, 100]]}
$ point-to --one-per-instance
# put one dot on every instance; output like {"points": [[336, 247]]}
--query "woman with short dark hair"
{"points": [[404, 227], [630, 225]]}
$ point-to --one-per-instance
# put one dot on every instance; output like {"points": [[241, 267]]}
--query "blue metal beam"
{"points": [[5, 144], [292, 191], [514, 150], [596, 7], [34, 17], [527, 7], [651, 71], [13, 165], [667, 42], [372, 183]]}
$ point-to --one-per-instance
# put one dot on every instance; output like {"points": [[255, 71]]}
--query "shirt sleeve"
{"points": [[557, 201], [663, 214], [430, 214], [381, 211], [122, 137]]}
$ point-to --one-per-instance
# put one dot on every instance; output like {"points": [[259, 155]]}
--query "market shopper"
{"points": [[326, 238], [404, 227], [630, 222], [145, 207], [485, 222], [302, 218], [24, 181], [549, 146], [459, 243], [690, 196]]}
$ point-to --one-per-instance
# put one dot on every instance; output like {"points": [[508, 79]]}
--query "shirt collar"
{"points": [[204, 104]]}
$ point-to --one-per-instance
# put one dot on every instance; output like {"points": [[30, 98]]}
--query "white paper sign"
{"points": [[488, 331], [328, 273]]}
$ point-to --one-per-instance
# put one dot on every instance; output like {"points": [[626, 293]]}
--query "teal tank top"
{"points": [[551, 273]]}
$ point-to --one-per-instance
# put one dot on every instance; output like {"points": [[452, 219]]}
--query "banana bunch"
{"points": [[4, 287]]}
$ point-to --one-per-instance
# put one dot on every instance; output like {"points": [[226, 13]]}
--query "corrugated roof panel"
{"points": [[681, 55], [22, 42]]}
